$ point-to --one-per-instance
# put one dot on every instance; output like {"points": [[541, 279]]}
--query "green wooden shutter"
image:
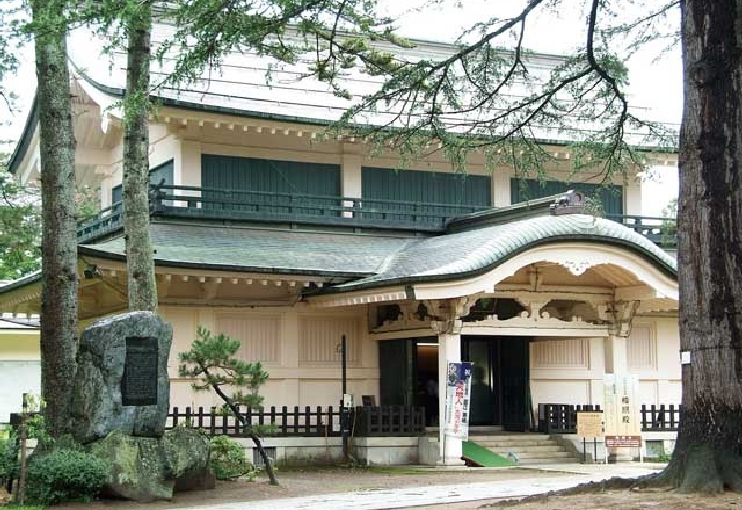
{"points": [[421, 188], [232, 175], [611, 197], [156, 175]]}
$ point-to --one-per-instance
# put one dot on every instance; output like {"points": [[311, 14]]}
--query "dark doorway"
{"points": [[485, 390], [427, 380], [397, 373], [408, 372], [516, 407], [499, 394]]}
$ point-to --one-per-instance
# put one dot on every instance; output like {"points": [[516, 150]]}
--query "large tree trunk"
{"points": [[139, 253], [59, 226], [708, 453]]}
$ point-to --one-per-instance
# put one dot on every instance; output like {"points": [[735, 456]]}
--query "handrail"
{"points": [[285, 207], [273, 194]]}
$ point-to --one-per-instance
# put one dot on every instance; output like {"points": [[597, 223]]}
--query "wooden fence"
{"points": [[660, 418], [304, 422], [562, 418]]}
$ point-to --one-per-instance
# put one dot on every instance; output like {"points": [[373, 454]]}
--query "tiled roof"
{"points": [[377, 260], [480, 249], [263, 250]]}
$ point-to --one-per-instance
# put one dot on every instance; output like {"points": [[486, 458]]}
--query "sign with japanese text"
{"points": [[622, 425], [458, 393], [590, 424]]}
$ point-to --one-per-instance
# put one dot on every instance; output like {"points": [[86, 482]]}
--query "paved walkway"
{"points": [[566, 475]]}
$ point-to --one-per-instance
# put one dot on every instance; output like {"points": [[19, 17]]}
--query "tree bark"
{"points": [[58, 210], [708, 453], [140, 265]]}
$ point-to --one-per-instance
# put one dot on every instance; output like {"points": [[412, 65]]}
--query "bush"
{"points": [[8, 460], [65, 475], [227, 459]]}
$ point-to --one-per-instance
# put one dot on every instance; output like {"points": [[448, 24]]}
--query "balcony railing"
{"points": [[661, 231], [295, 208]]}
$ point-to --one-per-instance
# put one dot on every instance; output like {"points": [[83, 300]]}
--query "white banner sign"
{"points": [[458, 399]]}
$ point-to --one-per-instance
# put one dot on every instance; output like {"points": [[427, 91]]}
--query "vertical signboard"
{"points": [[622, 426], [458, 398]]}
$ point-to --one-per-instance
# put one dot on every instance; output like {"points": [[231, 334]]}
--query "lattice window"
{"points": [[572, 353], [319, 338], [260, 335], [641, 347]]}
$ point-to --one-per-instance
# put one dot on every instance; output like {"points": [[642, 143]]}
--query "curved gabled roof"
{"points": [[472, 252]]}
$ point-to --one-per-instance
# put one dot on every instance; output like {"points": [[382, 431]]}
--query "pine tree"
{"points": [[213, 363]]}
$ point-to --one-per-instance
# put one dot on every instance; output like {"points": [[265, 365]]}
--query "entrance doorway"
{"points": [[500, 390]]}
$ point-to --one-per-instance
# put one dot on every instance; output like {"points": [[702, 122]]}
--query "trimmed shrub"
{"points": [[227, 459], [8, 461], [65, 475]]}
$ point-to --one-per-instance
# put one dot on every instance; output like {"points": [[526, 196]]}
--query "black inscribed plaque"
{"points": [[139, 382]]}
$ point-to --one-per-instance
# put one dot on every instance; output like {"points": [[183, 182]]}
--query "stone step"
{"points": [[534, 455], [515, 444], [548, 460], [553, 447], [523, 438]]}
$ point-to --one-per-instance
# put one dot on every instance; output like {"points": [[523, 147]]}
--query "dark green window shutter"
{"points": [[242, 184], [459, 193], [156, 176], [611, 197]]}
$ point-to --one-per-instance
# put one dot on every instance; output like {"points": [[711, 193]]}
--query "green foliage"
{"points": [[227, 459], [20, 229], [213, 363], [65, 475], [8, 459]]}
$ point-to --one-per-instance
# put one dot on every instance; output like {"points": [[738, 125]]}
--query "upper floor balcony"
{"points": [[321, 211]]}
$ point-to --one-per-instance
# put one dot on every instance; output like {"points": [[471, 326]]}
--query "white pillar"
{"points": [[618, 355], [350, 175], [449, 350]]}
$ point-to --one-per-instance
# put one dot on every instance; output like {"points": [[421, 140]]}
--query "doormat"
{"points": [[479, 456]]}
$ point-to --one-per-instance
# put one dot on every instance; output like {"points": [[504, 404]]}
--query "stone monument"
{"points": [[122, 379], [120, 405]]}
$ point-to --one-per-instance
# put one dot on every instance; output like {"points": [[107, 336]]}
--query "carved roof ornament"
{"points": [[572, 202]]}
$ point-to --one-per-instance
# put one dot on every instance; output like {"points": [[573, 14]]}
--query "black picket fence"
{"points": [[660, 418], [304, 422], [562, 418]]}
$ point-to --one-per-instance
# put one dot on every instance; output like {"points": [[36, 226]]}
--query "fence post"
{"points": [[175, 417], [23, 433]]}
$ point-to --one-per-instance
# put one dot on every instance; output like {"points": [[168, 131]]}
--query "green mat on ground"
{"points": [[480, 456]]}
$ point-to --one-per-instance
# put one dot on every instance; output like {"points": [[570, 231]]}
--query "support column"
{"points": [[449, 351], [618, 356], [350, 183]]}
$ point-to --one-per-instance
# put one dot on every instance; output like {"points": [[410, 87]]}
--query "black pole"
{"points": [[344, 409]]}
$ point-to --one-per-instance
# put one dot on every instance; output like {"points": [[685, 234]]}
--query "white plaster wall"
{"points": [[659, 379], [290, 383], [564, 380]]}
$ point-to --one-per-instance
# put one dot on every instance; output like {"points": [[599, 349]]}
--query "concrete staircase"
{"points": [[531, 448]]}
